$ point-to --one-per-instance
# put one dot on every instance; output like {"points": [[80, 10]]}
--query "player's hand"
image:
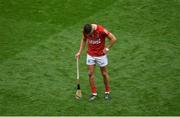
{"points": [[77, 56], [105, 50]]}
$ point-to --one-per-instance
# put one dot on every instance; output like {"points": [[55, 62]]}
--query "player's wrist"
{"points": [[107, 49], [79, 52]]}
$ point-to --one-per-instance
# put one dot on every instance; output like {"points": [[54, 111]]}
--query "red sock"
{"points": [[107, 89], [93, 90]]}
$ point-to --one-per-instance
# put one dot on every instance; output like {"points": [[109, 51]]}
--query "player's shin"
{"points": [[92, 84]]}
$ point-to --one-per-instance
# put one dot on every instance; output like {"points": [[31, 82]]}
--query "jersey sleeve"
{"points": [[104, 31]]}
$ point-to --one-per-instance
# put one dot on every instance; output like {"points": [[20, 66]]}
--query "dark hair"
{"points": [[87, 28]]}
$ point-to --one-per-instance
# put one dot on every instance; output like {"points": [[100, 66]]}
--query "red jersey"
{"points": [[96, 41]]}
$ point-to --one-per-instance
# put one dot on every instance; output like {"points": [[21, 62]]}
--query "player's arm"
{"points": [[112, 39], [82, 46]]}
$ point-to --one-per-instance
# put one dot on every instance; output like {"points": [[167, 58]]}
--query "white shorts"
{"points": [[101, 60]]}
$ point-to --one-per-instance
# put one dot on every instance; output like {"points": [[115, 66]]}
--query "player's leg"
{"points": [[105, 75], [91, 62], [91, 79], [92, 83], [103, 62]]}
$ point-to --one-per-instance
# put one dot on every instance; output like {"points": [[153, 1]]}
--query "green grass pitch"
{"points": [[39, 39]]}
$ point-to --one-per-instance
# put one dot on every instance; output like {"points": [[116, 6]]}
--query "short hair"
{"points": [[87, 28]]}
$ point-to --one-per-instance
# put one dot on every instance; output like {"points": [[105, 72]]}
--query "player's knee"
{"points": [[105, 74], [90, 74]]}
